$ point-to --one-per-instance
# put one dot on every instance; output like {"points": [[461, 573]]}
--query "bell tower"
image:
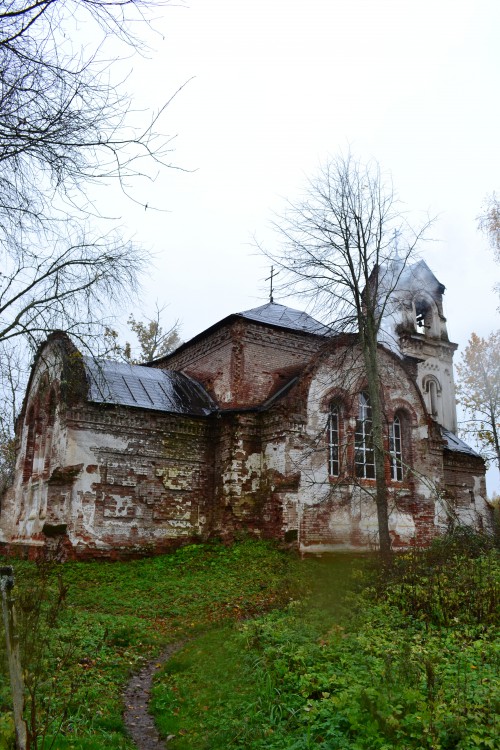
{"points": [[422, 334]]}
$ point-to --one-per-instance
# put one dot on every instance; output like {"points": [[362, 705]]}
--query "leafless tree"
{"points": [[489, 222], [66, 126], [344, 248]]}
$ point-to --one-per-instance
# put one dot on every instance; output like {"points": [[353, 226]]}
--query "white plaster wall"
{"points": [[351, 509]]}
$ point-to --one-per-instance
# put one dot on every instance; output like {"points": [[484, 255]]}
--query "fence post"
{"points": [[12, 642]]}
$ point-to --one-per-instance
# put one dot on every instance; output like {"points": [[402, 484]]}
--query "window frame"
{"points": [[363, 440], [396, 449], [334, 431]]}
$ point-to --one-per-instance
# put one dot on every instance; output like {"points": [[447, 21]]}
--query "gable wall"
{"points": [[145, 481], [339, 512], [244, 363], [208, 360]]}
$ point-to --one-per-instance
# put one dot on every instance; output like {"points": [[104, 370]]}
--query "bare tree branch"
{"points": [[344, 248]]}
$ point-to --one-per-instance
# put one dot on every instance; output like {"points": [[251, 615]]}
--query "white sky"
{"points": [[281, 84]]}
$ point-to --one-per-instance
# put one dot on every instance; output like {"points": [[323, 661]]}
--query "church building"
{"points": [[260, 424]]}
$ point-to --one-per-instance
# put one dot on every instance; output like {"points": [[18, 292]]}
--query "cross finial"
{"points": [[270, 279]]}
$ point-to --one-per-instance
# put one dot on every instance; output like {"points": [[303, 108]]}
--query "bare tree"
{"points": [[12, 378], [66, 126], [64, 122], [344, 248], [489, 222]]}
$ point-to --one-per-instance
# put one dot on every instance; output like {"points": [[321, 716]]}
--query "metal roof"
{"points": [[145, 387], [286, 317], [453, 443]]}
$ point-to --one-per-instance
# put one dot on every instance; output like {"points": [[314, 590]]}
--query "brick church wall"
{"points": [[116, 480], [243, 363]]}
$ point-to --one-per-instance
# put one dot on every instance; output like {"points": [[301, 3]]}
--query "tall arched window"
{"points": [[364, 456], [334, 427], [49, 428], [432, 392], [396, 449]]}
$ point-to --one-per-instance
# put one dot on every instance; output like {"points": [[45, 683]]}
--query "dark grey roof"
{"points": [[453, 443], [145, 387], [286, 317]]}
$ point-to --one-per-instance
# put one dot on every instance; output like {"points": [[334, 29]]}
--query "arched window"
{"points": [[49, 429], [432, 393], [425, 318], [364, 457], [51, 408], [396, 449], [334, 428]]}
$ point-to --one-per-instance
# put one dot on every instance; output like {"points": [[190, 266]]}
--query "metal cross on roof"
{"points": [[270, 278]]}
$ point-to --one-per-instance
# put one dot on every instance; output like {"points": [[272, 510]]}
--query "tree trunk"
{"points": [[369, 346]]}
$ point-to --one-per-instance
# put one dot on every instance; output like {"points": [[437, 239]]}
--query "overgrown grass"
{"points": [[405, 656], [280, 653], [117, 615]]}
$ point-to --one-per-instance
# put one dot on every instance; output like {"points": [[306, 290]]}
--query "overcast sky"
{"points": [[277, 86]]}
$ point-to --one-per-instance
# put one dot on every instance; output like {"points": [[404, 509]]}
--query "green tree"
{"points": [[339, 251], [153, 340], [479, 393]]}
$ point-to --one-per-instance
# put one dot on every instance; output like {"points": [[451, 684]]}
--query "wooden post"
{"points": [[12, 641]]}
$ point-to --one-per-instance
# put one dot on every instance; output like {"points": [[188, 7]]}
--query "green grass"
{"points": [[363, 661], [117, 615], [280, 653]]}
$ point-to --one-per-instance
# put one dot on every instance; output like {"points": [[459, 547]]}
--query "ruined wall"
{"points": [[41, 441], [267, 359], [242, 363], [465, 490], [339, 512], [129, 480], [208, 359], [114, 480]]}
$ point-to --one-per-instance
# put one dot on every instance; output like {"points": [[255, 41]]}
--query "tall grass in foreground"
{"points": [[85, 627], [398, 657]]}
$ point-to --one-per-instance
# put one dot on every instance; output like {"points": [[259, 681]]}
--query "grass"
{"points": [[403, 658], [117, 615], [280, 653]]}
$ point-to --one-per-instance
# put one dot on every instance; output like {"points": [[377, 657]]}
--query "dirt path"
{"points": [[139, 722]]}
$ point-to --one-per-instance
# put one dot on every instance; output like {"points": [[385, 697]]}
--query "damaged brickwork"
{"points": [[233, 433]]}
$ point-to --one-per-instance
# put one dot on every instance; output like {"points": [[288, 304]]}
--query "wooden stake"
{"points": [[12, 641]]}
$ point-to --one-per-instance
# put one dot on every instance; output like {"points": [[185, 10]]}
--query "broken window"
{"points": [[49, 429], [364, 456], [30, 445]]}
